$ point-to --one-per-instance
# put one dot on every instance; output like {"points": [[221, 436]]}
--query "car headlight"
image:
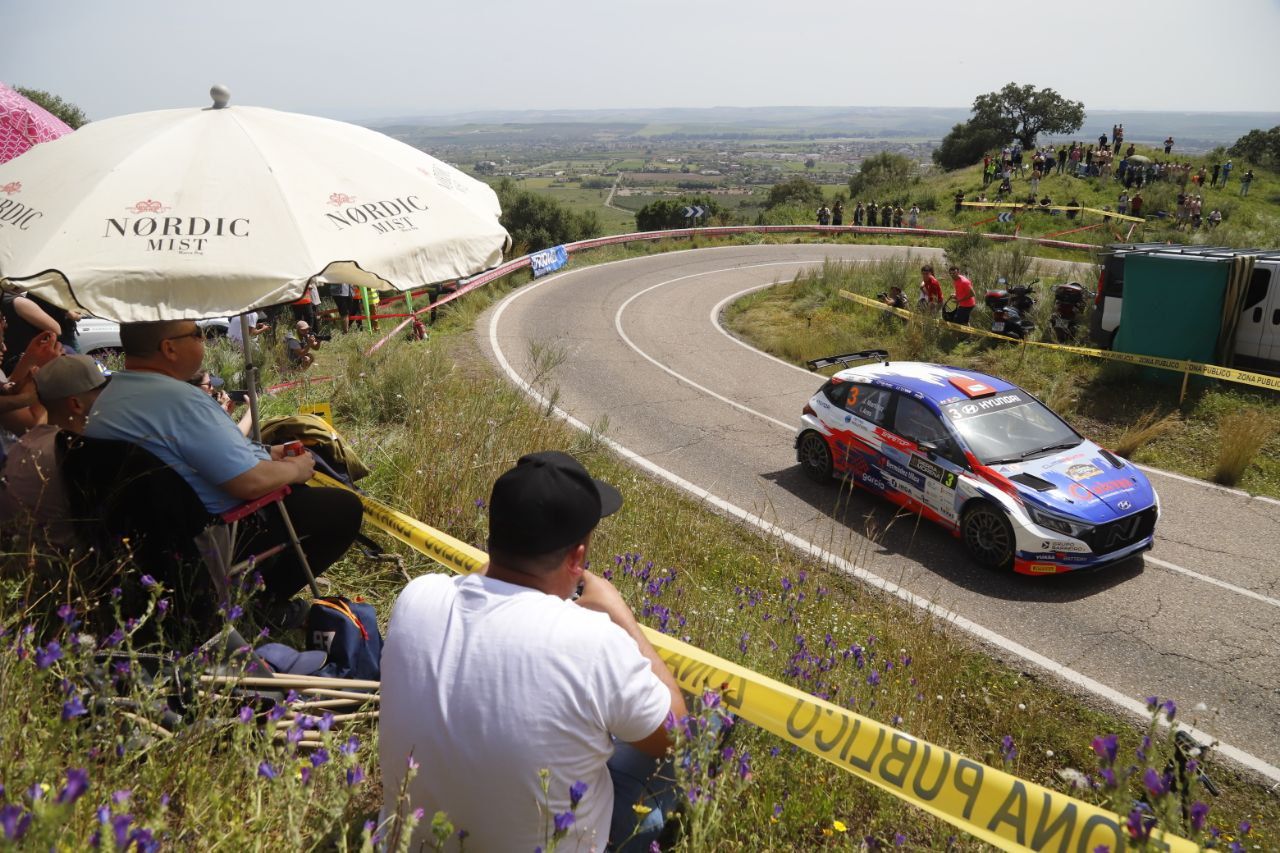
{"points": [[1066, 526]]}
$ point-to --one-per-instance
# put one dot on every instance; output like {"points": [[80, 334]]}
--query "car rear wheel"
{"points": [[988, 536], [815, 457]]}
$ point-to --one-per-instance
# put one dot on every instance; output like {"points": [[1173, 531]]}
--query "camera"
{"points": [[322, 336], [238, 396]]}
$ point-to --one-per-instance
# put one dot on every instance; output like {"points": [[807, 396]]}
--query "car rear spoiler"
{"points": [[849, 358]]}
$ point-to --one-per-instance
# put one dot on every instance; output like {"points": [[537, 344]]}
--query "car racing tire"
{"points": [[815, 457], [988, 536]]}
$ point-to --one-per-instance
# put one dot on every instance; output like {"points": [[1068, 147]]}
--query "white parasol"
{"points": [[195, 213]]}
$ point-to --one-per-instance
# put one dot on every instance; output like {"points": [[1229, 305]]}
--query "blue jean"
{"points": [[639, 778]]}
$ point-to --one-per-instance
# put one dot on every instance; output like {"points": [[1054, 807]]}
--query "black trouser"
{"points": [[326, 520], [961, 315]]}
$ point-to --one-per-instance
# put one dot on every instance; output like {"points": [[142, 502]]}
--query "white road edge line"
{"points": [[1238, 590], [617, 325], [1125, 703]]}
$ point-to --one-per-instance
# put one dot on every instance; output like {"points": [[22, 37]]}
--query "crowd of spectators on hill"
{"points": [[887, 215]]}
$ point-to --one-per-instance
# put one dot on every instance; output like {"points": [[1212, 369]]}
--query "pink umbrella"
{"points": [[23, 124]]}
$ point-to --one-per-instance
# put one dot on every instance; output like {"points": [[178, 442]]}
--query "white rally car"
{"points": [[981, 457]]}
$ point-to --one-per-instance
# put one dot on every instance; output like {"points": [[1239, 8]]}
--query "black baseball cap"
{"points": [[546, 502]]}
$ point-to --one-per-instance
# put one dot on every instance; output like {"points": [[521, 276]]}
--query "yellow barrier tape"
{"points": [[1025, 206], [988, 803], [1214, 371]]}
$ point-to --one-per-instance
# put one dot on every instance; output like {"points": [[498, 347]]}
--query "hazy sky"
{"points": [[363, 60]]}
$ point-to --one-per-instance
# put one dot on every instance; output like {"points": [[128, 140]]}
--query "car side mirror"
{"points": [[929, 447]]}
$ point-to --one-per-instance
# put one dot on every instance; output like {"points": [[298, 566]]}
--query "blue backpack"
{"points": [[348, 631]]}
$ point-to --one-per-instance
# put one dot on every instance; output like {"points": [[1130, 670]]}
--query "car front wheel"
{"points": [[815, 457], [988, 536]]}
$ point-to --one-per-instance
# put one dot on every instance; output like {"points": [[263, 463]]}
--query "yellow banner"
{"points": [[1214, 371], [988, 803]]}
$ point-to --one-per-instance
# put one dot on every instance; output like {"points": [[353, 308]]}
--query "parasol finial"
{"points": [[221, 96]]}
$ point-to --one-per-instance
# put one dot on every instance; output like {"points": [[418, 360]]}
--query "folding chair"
{"points": [[121, 495]]}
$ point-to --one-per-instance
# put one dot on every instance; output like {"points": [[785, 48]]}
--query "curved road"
{"points": [[1196, 620]]}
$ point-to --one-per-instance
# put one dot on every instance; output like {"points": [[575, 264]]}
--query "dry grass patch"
{"points": [[1241, 434], [1146, 429]]}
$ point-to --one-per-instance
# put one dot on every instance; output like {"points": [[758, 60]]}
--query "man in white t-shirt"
{"points": [[236, 335], [532, 663]]}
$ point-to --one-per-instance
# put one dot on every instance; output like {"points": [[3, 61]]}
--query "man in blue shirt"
{"points": [[150, 403]]}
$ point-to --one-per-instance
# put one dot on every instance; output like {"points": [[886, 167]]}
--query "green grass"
{"points": [[807, 318], [437, 425]]}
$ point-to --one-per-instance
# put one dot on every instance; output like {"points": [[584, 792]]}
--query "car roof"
{"points": [[920, 379]]}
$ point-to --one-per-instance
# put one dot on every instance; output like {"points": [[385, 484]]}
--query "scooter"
{"points": [[1009, 307], [1069, 304]]}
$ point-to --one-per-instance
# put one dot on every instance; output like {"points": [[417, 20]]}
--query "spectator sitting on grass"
{"points": [[299, 345], [532, 665], [33, 496]]}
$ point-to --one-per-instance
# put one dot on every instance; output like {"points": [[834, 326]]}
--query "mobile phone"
{"points": [[239, 396]]}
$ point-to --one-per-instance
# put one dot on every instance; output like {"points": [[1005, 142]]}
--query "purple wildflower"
{"points": [[266, 771], [120, 828], [1245, 827], [777, 810], [14, 820], [873, 677], [45, 657], [162, 606], [67, 613], [563, 821], [276, 712], [1170, 709], [326, 721], [115, 638], [899, 839], [1140, 824], [355, 775], [245, 715], [121, 797], [77, 783], [1199, 811], [742, 641], [73, 708], [1158, 785], [320, 756], [576, 790], [1106, 746], [147, 581], [350, 747], [1007, 748]]}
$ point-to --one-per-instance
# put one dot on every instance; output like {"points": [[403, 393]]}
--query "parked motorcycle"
{"points": [[1070, 301], [1011, 309]]}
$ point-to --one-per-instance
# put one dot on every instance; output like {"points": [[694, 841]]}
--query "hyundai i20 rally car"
{"points": [[980, 456]]}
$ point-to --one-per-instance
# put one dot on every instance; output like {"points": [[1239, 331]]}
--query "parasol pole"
{"points": [[250, 374]]}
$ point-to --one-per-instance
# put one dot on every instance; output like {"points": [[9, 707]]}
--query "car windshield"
{"points": [[1009, 427]]}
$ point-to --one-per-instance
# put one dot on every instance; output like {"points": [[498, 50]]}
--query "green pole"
{"points": [[368, 315]]}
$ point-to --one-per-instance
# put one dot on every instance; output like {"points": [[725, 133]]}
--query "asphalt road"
{"points": [[1195, 620]]}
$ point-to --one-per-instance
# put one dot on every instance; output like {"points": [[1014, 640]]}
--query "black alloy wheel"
{"points": [[988, 536], [815, 457]]}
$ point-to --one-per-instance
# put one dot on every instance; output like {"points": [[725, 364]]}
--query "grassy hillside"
{"points": [[437, 425]]}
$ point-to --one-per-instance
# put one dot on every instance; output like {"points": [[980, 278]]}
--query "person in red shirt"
{"points": [[965, 300], [930, 290]]}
